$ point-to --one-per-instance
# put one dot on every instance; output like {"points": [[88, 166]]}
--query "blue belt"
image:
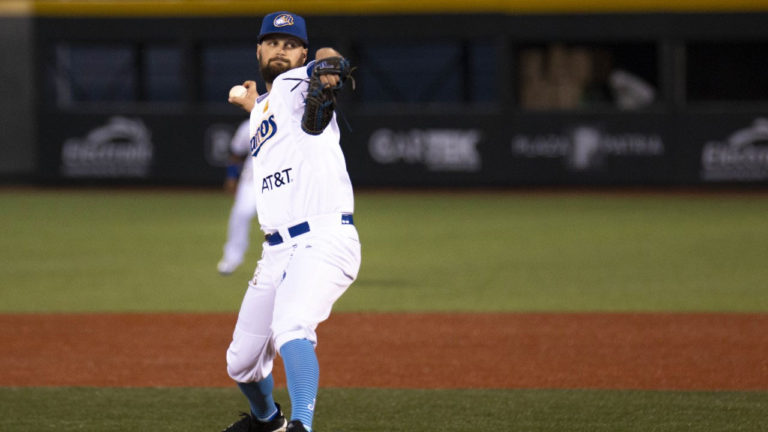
{"points": [[275, 238]]}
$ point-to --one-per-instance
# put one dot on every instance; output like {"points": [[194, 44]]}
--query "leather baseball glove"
{"points": [[321, 100]]}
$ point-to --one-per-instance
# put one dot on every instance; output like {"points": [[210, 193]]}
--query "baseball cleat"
{"points": [[226, 268], [295, 426], [248, 423]]}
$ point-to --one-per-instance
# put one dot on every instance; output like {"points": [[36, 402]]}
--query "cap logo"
{"points": [[283, 20]]}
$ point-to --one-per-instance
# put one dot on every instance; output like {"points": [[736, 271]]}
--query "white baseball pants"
{"points": [[292, 291]]}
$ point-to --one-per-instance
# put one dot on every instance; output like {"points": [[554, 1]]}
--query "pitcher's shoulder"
{"points": [[292, 76]]}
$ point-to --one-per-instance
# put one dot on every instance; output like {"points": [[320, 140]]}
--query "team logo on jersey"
{"points": [[283, 20], [267, 129]]}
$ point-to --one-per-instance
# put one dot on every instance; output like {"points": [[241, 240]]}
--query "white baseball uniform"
{"points": [[304, 202], [244, 206]]}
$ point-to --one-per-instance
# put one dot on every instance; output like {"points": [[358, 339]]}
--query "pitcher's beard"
{"points": [[271, 70]]}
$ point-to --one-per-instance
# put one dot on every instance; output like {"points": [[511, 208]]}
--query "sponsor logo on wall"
{"points": [[120, 148], [742, 156], [453, 150], [585, 148]]}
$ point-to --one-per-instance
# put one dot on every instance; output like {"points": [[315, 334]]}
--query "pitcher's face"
{"points": [[279, 53]]}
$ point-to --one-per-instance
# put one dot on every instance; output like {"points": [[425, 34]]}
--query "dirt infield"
{"points": [[602, 351]]}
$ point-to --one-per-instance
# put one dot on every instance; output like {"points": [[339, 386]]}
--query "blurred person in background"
{"points": [[240, 180]]}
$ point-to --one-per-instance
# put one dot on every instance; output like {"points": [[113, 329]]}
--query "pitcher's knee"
{"points": [[248, 369], [249, 358], [239, 368]]}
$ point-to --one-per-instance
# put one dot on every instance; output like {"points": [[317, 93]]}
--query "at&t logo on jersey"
{"points": [[267, 129], [276, 180]]}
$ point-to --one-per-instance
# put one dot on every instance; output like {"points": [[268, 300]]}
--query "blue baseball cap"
{"points": [[284, 23]]}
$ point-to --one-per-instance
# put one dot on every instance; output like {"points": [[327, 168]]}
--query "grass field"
{"points": [[157, 251], [368, 410], [117, 251]]}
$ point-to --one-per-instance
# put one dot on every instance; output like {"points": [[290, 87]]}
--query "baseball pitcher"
{"points": [[304, 200]]}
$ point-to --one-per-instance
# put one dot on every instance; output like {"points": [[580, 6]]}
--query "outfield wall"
{"points": [[494, 96], [17, 110]]}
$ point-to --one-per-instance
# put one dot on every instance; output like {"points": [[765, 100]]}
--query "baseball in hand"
{"points": [[238, 91]]}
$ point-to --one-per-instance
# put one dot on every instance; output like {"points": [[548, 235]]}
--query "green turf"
{"points": [[65, 251], [362, 410]]}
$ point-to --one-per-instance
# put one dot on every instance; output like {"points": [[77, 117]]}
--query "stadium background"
{"points": [[603, 309], [487, 93]]}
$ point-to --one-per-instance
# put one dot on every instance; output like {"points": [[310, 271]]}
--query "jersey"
{"points": [[296, 175]]}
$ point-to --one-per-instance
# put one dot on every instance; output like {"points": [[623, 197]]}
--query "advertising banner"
{"points": [[590, 150], [728, 149], [525, 150], [429, 150], [163, 149]]}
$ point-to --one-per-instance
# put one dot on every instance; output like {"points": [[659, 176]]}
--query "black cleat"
{"points": [[248, 423]]}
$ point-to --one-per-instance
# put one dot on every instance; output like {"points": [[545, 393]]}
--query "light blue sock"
{"points": [[302, 374], [259, 395]]}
